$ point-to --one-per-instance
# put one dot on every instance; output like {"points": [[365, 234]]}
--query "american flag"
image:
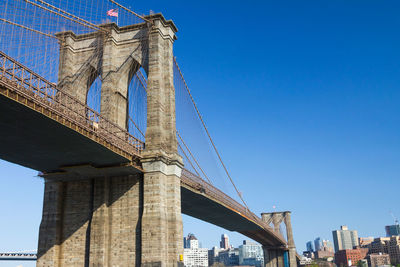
{"points": [[112, 13]]}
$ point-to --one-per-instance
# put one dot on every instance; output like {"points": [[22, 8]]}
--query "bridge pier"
{"points": [[91, 222], [133, 220], [274, 256], [162, 229], [291, 245]]}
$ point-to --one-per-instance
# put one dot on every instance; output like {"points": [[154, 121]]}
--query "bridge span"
{"points": [[105, 187], [84, 150], [17, 256]]}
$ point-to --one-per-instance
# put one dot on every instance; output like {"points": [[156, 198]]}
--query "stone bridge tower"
{"points": [[274, 257], [129, 220]]}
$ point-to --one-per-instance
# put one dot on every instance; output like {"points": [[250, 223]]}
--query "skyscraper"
{"points": [[310, 246], [186, 240], [318, 243], [193, 256], [392, 230], [224, 241], [344, 238], [251, 253]]}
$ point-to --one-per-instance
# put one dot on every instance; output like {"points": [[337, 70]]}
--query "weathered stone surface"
{"points": [[119, 221], [93, 222], [274, 256], [162, 230]]}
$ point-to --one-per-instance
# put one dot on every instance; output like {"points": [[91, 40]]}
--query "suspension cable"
{"points": [[63, 16], [143, 79], [29, 29], [208, 134], [197, 163], [141, 82], [67, 13], [136, 126], [190, 162], [130, 11], [180, 137]]}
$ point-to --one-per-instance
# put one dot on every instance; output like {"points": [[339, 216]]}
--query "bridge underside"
{"points": [[198, 205], [38, 142]]}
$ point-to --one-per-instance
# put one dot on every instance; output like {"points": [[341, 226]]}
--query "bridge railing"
{"points": [[198, 183], [46, 93]]}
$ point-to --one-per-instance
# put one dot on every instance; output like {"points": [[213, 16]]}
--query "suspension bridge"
{"points": [[102, 110]]}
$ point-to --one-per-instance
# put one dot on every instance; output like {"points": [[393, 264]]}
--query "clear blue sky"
{"points": [[302, 98]]}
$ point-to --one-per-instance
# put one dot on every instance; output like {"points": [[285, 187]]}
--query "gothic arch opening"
{"points": [[137, 103]]}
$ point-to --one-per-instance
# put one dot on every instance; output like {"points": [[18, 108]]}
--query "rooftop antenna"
{"points": [[396, 221]]}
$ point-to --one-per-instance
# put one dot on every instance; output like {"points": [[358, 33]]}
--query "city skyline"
{"points": [[313, 95]]}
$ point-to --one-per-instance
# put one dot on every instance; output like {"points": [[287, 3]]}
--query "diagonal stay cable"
{"points": [[183, 142], [141, 82], [208, 134], [29, 29], [140, 131], [67, 13], [190, 162], [183, 151], [63, 16], [197, 163]]}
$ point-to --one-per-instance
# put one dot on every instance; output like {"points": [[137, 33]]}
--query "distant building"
{"points": [[251, 253], [350, 257], [394, 249], [387, 245], [213, 255], [186, 240], [224, 243], [365, 241], [229, 257], [324, 253], [345, 239], [392, 230], [327, 246], [305, 261], [193, 256], [308, 254], [379, 245], [378, 259], [318, 243], [323, 249], [310, 246]]}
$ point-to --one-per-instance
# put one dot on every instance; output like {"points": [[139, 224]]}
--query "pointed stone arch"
{"points": [[115, 54], [114, 91]]}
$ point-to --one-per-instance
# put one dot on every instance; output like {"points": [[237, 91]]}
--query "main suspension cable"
{"points": [[208, 134]]}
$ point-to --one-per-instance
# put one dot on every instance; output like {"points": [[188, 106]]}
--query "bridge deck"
{"points": [[16, 256]]}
